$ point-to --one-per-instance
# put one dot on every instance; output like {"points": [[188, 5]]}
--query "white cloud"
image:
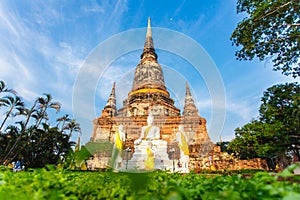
{"points": [[93, 8], [67, 58], [31, 52], [7, 21], [227, 137], [240, 109], [119, 74], [205, 108]]}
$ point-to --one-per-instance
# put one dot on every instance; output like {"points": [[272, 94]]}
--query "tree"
{"points": [[257, 140], [28, 113], [37, 143], [281, 105], [43, 104], [271, 30], [224, 146], [13, 103], [276, 134], [47, 146], [4, 89], [7, 139], [63, 120], [73, 126]]}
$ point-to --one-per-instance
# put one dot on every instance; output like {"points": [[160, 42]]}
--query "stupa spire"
{"points": [[113, 90], [149, 51], [110, 106], [187, 90], [149, 31], [189, 104], [148, 93], [148, 73]]}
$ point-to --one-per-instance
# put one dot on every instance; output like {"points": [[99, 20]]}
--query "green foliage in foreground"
{"points": [[59, 184]]}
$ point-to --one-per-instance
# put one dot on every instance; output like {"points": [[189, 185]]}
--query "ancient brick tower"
{"points": [[149, 94]]}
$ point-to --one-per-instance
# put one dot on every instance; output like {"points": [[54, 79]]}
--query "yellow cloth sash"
{"points": [[149, 162], [119, 143], [183, 146], [147, 131], [152, 139], [148, 90]]}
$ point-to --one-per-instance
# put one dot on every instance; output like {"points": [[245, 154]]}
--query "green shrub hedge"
{"points": [[63, 184]]}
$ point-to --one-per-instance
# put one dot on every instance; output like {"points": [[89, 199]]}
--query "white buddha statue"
{"points": [[149, 132], [150, 152]]}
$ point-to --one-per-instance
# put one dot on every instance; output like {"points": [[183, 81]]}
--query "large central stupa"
{"points": [[148, 90], [149, 94]]}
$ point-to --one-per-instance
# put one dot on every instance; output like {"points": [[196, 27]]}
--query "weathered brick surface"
{"points": [[224, 161]]}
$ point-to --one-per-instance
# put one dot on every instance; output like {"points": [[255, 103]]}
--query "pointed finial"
{"points": [[187, 89], [113, 89], [149, 51], [149, 32]]}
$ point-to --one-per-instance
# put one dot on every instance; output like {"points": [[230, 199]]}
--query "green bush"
{"points": [[63, 184]]}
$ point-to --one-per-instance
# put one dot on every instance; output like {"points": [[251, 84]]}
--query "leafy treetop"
{"points": [[271, 30]]}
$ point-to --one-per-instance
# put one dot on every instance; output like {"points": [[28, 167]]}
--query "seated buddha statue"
{"points": [[149, 132]]}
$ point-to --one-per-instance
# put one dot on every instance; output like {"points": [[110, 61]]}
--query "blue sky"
{"points": [[45, 44]]}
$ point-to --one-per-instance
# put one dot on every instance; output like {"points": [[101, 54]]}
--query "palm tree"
{"points": [[13, 103], [39, 112], [73, 126], [47, 146], [63, 119], [43, 105], [4, 89], [28, 113], [7, 139]]}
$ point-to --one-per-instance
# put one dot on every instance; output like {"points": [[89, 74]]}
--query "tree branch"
{"points": [[271, 12]]}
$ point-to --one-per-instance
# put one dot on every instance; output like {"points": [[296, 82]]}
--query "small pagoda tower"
{"points": [[110, 108], [190, 108]]}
